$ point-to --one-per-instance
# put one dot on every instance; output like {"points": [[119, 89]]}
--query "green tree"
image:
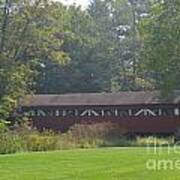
{"points": [[89, 48], [160, 33], [27, 38], [103, 45]]}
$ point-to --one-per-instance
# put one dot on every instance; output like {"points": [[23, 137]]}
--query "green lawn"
{"points": [[93, 164]]}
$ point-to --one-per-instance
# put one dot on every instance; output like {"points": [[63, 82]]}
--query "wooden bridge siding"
{"points": [[131, 124]]}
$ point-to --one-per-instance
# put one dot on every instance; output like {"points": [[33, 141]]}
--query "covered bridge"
{"points": [[138, 112]]}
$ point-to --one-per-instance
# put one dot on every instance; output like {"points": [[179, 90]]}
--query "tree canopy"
{"points": [[113, 45]]}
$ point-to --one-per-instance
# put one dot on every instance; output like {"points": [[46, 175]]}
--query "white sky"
{"points": [[83, 3]]}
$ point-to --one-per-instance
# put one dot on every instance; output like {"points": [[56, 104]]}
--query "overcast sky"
{"points": [[83, 3]]}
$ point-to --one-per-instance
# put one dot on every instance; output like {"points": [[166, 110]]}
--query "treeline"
{"points": [[113, 45]]}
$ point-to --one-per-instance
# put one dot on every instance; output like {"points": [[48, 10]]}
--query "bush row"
{"points": [[79, 136]]}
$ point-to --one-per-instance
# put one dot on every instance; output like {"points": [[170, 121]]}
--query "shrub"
{"points": [[3, 126], [46, 140], [98, 134], [37, 142], [79, 136], [10, 142], [154, 141]]}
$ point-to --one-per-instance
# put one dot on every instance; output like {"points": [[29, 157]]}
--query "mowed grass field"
{"points": [[89, 164]]}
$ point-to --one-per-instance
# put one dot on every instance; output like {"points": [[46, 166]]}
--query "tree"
{"points": [[27, 38], [160, 33], [103, 45], [89, 48]]}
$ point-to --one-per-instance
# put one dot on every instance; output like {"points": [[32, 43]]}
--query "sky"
{"points": [[83, 3]]}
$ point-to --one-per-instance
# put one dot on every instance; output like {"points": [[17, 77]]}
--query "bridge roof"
{"points": [[85, 99]]}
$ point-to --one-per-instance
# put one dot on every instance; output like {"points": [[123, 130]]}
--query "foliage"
{"points": [[10, 142], [160, 33], [3, 126], [102, 43], [154, 141], [38, 142], [27, 37], [79, 136], [97, 134], [113, 45]]}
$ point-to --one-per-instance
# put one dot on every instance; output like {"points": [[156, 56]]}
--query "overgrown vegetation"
{"points": [[79, 136]]}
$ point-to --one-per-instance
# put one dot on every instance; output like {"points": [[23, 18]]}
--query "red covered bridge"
{"points": [[137, 112]]}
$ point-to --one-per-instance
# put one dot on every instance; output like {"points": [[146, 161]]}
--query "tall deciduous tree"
{"points": [[160, 33], [103, 45], [27, 37]]}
